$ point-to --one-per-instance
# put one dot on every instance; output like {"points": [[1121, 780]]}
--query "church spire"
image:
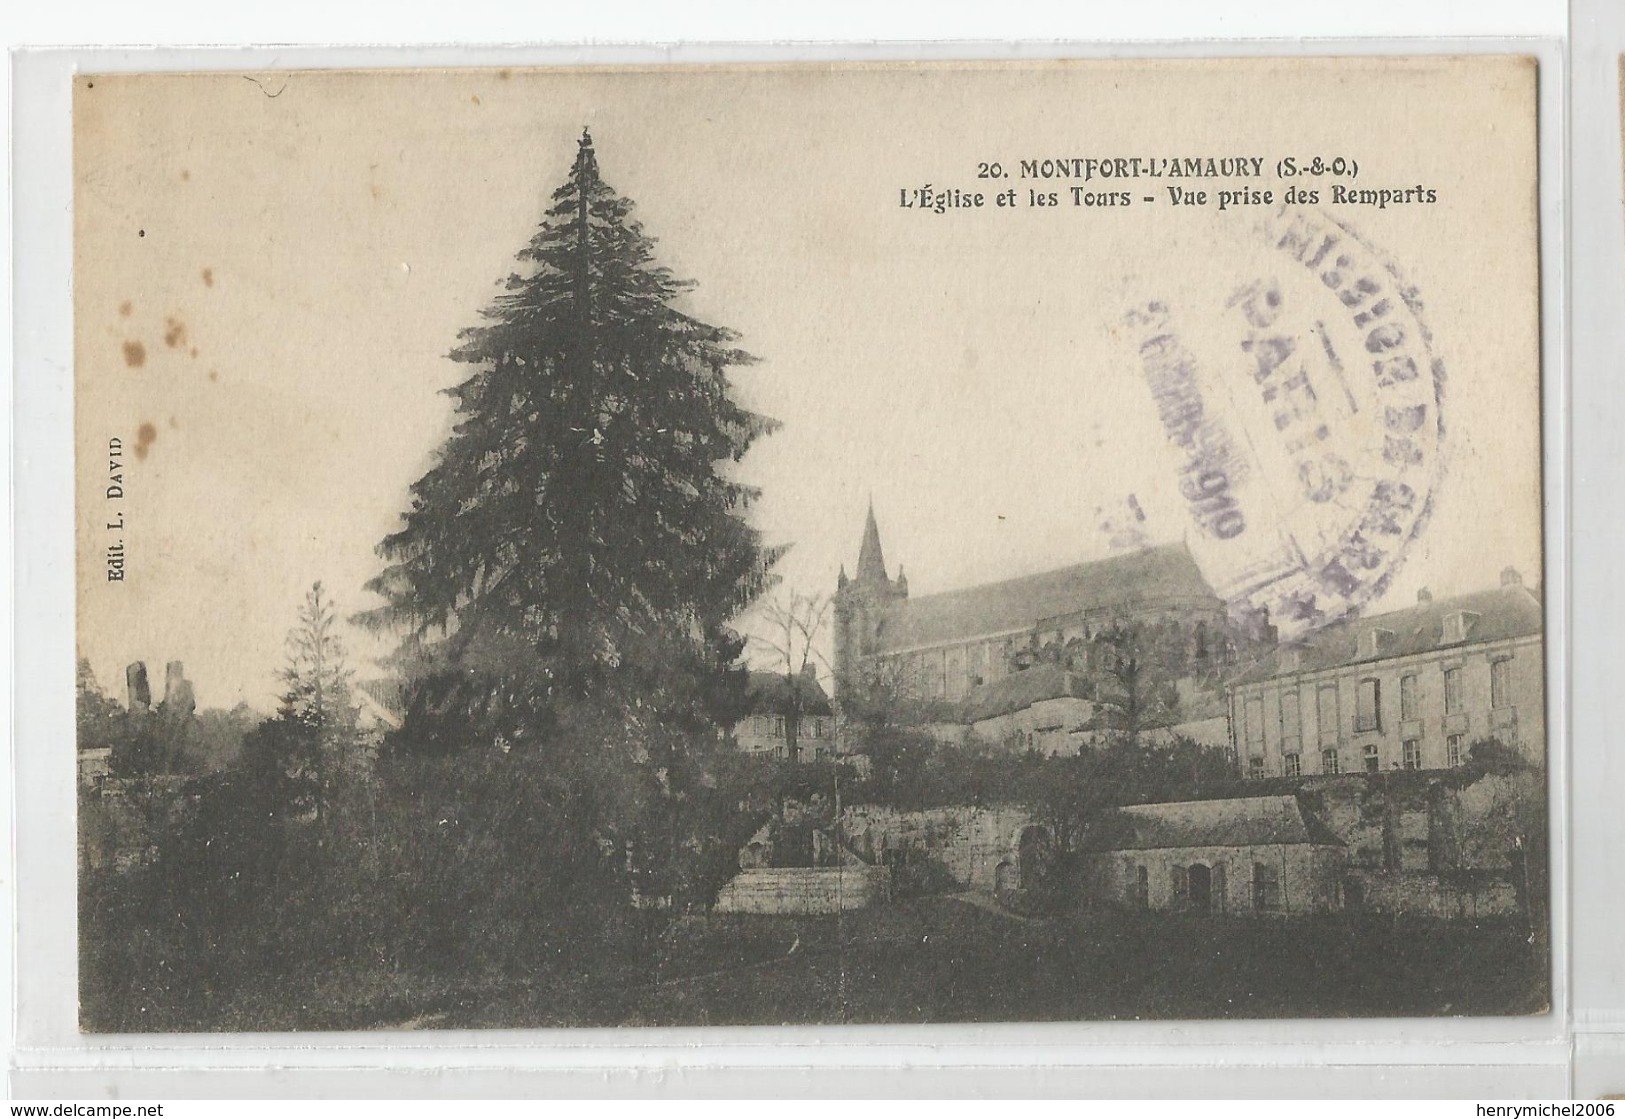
{"points": [[871, 561]]}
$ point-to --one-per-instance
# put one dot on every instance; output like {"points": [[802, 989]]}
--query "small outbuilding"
{"points": [[1258, 856]]}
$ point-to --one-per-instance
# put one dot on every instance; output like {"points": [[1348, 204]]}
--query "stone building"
{"points": [[1248, 856], [1410, 689], [1046, 708], [940, 647], [791, 720]]}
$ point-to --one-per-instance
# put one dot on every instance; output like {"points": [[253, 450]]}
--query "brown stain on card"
{"points": [[208, 277], [145, 436], [175, 333], [135, 355], [125, 308]]}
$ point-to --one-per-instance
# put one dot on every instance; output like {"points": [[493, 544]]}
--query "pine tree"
{"points": [[578, 534], [315, 728]]}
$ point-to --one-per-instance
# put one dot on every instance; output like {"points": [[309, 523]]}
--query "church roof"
{"points": [[1502, 614], [871, 561], [1120, 582], [1234, 822]]}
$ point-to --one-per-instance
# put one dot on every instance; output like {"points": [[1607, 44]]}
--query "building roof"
{"points": [[1505, 613], [1235, 822], [871, 560], [1118, 583], [770, 692], [1021, 690]]}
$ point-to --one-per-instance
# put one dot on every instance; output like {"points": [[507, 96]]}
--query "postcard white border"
{"points": [[1416, 1057]]}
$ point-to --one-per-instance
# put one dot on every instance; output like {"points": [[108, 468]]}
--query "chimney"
{"points": [[136, 688], [1510, 577], [1424, 596], [809, 671]]}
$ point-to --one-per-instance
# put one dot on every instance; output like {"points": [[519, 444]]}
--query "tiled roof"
{"points": [[1021, 690], [1502, 614], [1236, 822], [770, 691], [1120, 582]]}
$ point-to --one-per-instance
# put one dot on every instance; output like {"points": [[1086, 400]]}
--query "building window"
{"points": [[1290, 723], [1452, 690], [1142, 887], [1368, 712], [1294, 766], [1457, 625], [1407, 697], [1255, 765], [818, 728], [1453, 749], [1254, 709], [1373, 758], [1326, 710], [778, 726], [1328, 761], [1413, 753], [1501, 683], [1266, 886]]}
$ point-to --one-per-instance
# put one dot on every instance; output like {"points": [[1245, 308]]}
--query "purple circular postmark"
{"points": [[1303, 409]]}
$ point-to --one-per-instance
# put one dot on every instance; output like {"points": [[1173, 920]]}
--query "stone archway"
{"points": [[1004, 877]]}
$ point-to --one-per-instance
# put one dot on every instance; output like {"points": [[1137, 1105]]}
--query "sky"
{"points": [[270, 270]]}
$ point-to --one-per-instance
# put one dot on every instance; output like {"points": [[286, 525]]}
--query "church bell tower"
{"points": [[861, 605]]}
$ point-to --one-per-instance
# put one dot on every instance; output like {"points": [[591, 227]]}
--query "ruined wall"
{"points": [[968, 842], [1419, 824]]}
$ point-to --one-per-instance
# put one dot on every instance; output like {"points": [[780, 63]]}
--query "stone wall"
{"points": [[1408, 822], [1430, 895], [969, 843], [803, 891]]}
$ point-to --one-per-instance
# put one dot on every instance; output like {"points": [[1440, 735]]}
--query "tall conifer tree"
{"points": [[579, 533]]}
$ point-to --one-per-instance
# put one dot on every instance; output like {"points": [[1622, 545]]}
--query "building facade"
{"points": [[1410, 689], [791, 720], [1246, 856]]}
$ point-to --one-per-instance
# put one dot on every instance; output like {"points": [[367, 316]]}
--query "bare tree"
{"points": [[793, 623]]}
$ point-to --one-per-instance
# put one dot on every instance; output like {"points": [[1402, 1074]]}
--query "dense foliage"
{"points": [[580, 536]]}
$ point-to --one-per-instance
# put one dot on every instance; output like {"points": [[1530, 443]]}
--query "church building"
{"points": [[944, 647]]}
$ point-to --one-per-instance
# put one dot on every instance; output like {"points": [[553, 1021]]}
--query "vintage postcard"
{"points": [[809, 544]]}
